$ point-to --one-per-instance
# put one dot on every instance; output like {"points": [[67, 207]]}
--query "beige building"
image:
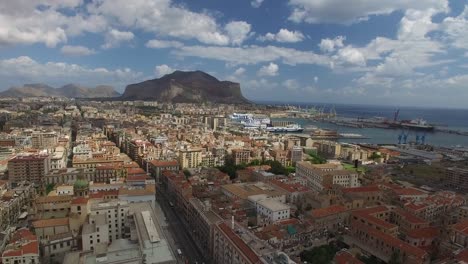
{"points": [[53, 206], [44, 140], [321, 176], [47, 228], [241, 156], [190, 158], [30, 168]]}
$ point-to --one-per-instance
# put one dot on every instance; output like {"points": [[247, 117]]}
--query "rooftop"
{"points": [[51, 222], [327, 211], [273, 205]]}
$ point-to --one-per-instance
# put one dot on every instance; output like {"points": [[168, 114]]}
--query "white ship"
{"points": [[286, 129]]}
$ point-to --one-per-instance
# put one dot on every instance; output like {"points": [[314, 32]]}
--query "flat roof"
{"points": [[273, 205]]}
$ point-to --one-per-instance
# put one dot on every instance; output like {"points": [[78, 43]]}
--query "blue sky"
{"points": [[392, 52]]}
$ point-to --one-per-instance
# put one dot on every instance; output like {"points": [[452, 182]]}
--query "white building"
{"points": [[272, 210], [116, 213], [95, 232]]}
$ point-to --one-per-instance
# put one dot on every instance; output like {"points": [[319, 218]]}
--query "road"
{"points": [[179, 232]]}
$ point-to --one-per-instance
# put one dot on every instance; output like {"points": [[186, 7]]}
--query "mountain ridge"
{"points": [[68, 90], [186, 87]]}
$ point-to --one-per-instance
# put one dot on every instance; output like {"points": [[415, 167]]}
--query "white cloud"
{"points": [[162, 44], [239, 71], [351, 55], [256, 3], [163, 18], [60, 20], [336, 11], [45, 21], [283, 35], [254, 54], [238, 31], [76, 50], [291, 84], [162, 70], [268, 70], [316, 78], [23, 69], [115, 37], [329, 45], [456, 29]]}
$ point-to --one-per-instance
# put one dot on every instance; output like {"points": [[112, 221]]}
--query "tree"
{"points": [[187, 173], [49, 188], [322, 254], [375, 156], [314, 158]]}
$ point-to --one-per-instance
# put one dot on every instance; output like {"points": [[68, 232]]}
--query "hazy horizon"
{"points": [[390, 52]]}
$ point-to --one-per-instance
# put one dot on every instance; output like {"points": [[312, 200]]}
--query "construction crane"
{"points": [[395, 116]]}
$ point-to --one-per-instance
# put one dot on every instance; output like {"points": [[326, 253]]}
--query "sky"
{"points": [[385, 52]]}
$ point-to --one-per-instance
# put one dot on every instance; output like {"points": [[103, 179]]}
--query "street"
{"points": [[183, 240]]}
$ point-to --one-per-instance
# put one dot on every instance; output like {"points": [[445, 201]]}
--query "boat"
{"points": [[418, 124], [285, 129]]}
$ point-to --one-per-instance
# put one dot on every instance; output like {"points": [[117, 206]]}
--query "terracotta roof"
{"points": [[462, 256], [415, 206], [240, 244], [50, 222], [101, 194], [27, 248], [79, 200], [390, 240], [290, 187], [461, 227], [409, 191], [370, 188], [136, 171], [368, 214], [327, 211], [427, 232], [164, 163], [409, 216], [22, 242]]}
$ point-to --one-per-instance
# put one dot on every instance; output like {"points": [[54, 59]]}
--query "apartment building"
{"points": [[241, 156], [457, 178], [116, 213], [30, 168], [44, 140], [321, 176], [190, 158], [95, 232], [156, 167], [229, 248]]}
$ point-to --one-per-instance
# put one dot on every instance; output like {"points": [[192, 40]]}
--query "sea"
{"points": [[454, 119]]}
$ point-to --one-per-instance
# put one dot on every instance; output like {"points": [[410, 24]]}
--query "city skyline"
{"points": [[390, 52]]}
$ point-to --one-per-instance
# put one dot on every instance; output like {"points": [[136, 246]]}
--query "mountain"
{"points": [[69, 90], [186, 87]]}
